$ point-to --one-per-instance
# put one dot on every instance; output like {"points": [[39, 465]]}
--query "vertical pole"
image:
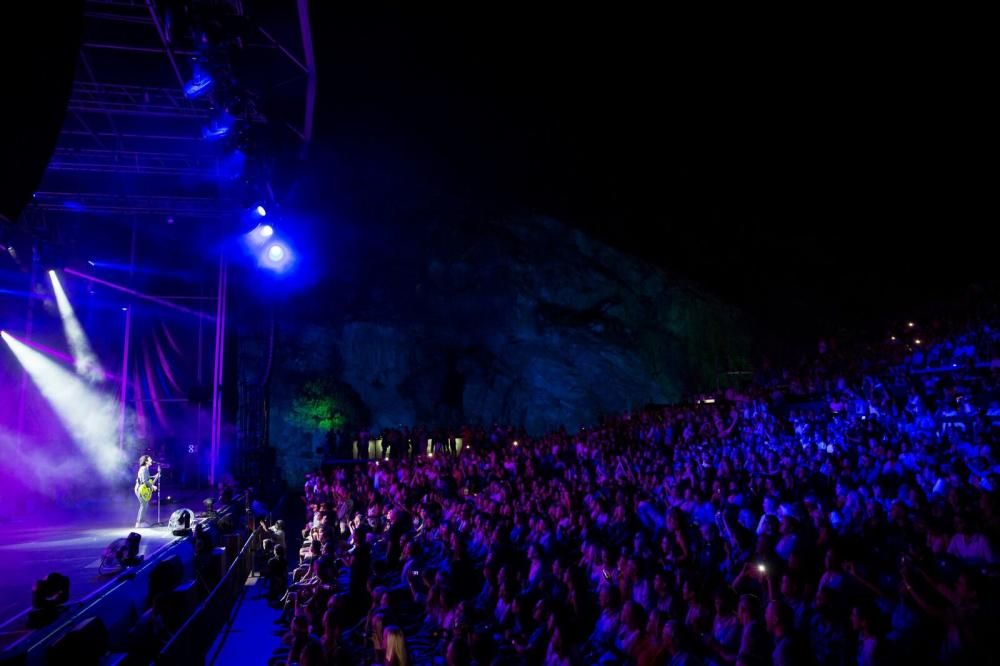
{"points": [[220, 336], [123, 395], [199, 439], [307, 46], [222, 356]]}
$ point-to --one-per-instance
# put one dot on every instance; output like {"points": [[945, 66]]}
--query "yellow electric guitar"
{"points": [[145, 490]]}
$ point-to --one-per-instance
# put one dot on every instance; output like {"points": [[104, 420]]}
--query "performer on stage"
{"points": [[145, 485]]}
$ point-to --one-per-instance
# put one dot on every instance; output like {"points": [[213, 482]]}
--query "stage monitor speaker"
{"points": [[180, 522]]}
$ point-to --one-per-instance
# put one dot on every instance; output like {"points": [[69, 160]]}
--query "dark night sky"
{"points": [[806, 179]]}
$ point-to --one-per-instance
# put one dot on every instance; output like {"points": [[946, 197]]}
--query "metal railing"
{"points": [[194, 639]]}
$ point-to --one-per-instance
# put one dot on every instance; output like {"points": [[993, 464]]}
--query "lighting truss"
{"points": [[133, 204], [136, 162], [136, 100]]}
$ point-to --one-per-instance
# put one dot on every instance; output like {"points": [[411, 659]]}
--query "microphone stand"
{"points": [[159, 489]]}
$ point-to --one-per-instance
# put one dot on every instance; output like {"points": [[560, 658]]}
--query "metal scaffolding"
{"points": [[128, 111], [134, 146], [130, 205]]}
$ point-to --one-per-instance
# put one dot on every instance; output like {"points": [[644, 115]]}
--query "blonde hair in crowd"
{"points": [[395, 647]]}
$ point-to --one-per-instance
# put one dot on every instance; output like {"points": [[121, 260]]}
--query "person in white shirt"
{"points": [[969, 546], [770, 509]]}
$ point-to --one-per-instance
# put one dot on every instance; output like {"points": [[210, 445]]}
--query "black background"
{"points": [[816, 175]]}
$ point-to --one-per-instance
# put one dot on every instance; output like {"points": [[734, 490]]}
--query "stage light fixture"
{"points": [[180, 522], [269, 250], [275, 253], [220, 125], [121, 553], [260, 211], [48, 596], [200, 83]]}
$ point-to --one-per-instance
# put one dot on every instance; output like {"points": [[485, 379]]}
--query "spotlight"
{"points": [[261, 212], [113, 557], [121, 553], [180, 522], [133, 540], [265, 231], [275, 253], [272, 254], [917, 341], [199, 84], [220, 125], [48, 596], [910, 324]]}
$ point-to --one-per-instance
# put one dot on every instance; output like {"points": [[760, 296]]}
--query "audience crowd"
{"points": [[840, 512]]}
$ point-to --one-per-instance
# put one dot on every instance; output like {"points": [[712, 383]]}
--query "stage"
{"points": [[71, 541]]}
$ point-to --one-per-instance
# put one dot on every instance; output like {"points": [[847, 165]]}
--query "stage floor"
{"points": [[71, 542]]}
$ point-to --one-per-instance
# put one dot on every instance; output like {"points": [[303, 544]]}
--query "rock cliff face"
{"points": [[528, 322]]}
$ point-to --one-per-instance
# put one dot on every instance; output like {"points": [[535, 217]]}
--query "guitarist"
{"points": [[144, 487]]}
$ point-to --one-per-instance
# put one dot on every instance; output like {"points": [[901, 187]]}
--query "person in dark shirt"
{"points": [[788, 647], [277, 575], [754, 643], [326, 564]]}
